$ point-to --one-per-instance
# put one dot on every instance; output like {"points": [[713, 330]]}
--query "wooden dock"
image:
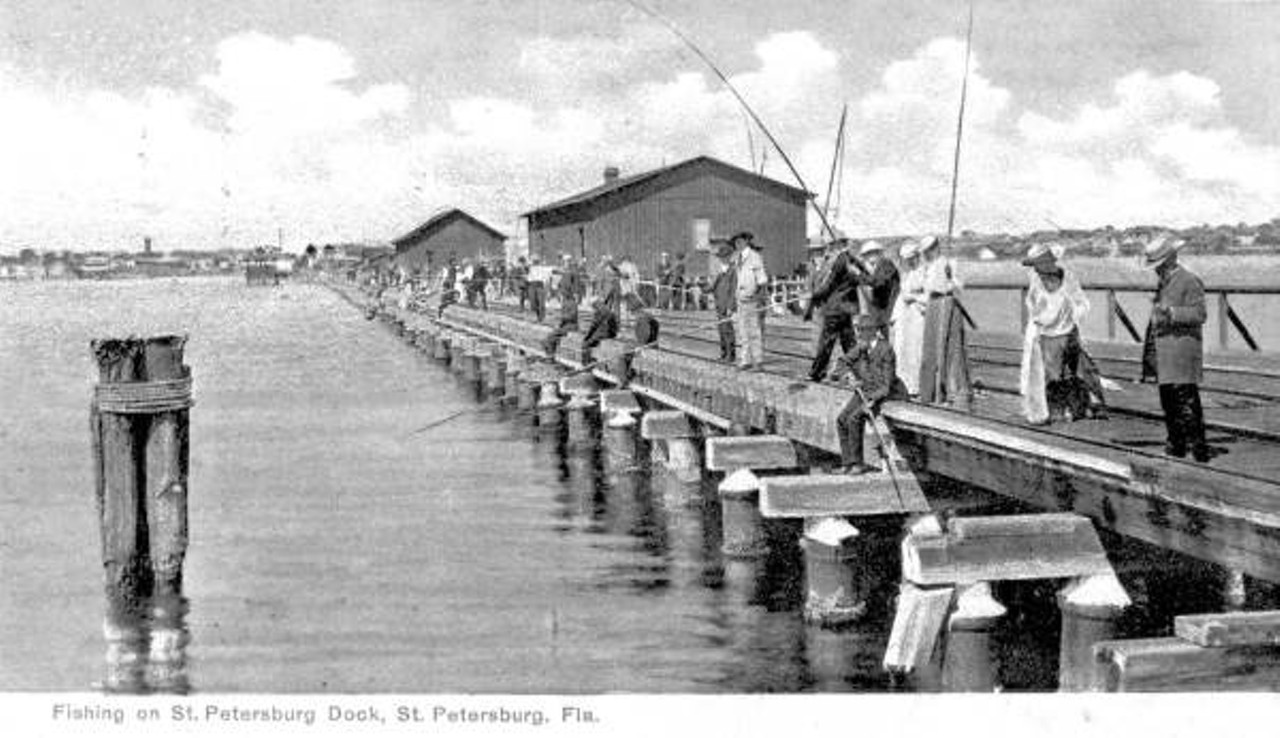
{"points": [[1110, 472]]}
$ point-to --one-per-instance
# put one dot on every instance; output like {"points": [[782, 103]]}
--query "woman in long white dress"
{"points": [[944, 363], [908, 318]]}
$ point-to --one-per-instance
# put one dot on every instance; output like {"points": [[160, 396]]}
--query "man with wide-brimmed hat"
{"points": [[724, 295], [834, 296], [1057, 378], [871, 369], [1173, 351], [880, 282], [752, 288]]}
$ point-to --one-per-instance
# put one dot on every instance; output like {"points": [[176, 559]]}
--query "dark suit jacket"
{"points": [[876, 369], [1173, 352], [883, 283], [835, 290], [725, 289]]}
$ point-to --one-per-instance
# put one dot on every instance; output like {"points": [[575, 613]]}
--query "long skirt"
{"points": [[944, 364], [908, 343]]}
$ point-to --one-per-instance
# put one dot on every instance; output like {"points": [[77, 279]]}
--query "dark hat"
{"points": [[724, 249], [743, 235]]}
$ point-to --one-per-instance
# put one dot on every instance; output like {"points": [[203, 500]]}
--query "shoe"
{"points": [[855, 470], [1175, 452]]}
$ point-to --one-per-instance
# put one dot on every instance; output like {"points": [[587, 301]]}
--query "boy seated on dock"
{"points": [[870, 368]]}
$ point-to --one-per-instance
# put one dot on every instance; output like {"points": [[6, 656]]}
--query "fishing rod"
{"points": [[826, 225], [883, 449], [835, 159], [964, 95]]}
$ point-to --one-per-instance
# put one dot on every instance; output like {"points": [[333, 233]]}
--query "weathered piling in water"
{"points": [[835, 593], [140, 440], [440, 346], [970, 661], [742, 524], [674, 429], [1091, 607]]}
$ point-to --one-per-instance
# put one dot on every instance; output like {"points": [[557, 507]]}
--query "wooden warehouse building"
{"points": [[675, 209], [451, 231]]}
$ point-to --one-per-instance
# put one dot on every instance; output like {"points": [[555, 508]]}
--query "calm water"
{"points": [[334, 550]]}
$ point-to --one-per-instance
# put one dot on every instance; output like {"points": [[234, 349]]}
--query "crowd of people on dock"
{"points": [[900, 325]]}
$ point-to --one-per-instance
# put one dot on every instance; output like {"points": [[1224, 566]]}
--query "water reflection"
{"points": [[146, 645]]}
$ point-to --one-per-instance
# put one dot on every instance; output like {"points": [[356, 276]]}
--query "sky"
{"points": [[241, 122]]}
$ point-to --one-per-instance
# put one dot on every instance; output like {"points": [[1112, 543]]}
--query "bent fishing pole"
{"points": [[742, 101]]}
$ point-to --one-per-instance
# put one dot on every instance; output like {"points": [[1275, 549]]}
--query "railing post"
{"points": [[1112, 306], [1224, 321], [1023, 316]]}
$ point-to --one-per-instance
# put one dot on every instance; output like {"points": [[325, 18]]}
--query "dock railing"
{"points": [[1117, 317]]}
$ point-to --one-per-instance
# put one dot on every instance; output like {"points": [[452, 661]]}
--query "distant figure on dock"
{"points": [[478, 285], [1058, 380], [872, 370], [664, 274], [449, 285], [724, 292], [944, 366], [753, 294], [835, 299], [539, 276], [907, 330], [878, 286], [1173, 352], [567, 292], [520, 280]]}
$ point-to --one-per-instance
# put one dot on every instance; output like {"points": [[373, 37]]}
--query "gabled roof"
{"points": [[439, 221], [625, 190]]}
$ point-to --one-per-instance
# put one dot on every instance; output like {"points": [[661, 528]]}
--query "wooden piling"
{"points": [[1090, 606], [742, 532], [140, 441], [835, 588], [970, 662]]}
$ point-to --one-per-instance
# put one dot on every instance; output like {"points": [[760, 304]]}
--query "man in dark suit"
{"points": [[872, 370], [835, 298], [724, 290], [1173, 352], [881, 282]]}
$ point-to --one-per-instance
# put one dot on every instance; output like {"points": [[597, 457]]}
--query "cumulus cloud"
{"points": [[285, 133]]}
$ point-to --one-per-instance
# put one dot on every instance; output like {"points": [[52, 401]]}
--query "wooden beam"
{"points": [[1219, 630], [820, 495], [750, 452], [1004, 548], [1176, 665]]}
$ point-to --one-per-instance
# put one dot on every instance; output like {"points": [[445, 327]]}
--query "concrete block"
{"points": [[619, 401], [664, 424], [1050, 546], [818, 495], [582, 383], [750, 452]]}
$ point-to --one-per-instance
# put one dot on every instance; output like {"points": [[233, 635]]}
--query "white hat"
{"points": [[909, 250], [1161, 248], [870, 247], [928, 242]]}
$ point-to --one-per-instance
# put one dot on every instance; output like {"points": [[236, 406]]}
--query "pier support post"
{"points": [[1235, 593], [969, 663], [516, 364], [440, 347], [457, 351], [835, 590], [548, 405], [139, 421], [1091, 606], [526, 395], [495, 373], [674, 429], [619, 408], [742, 527]]}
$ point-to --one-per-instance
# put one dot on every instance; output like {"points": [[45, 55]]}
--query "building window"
{"points": [[701, 234]]}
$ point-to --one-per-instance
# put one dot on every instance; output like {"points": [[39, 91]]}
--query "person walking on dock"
{"points": [[907, 330], [752, 284], [1057, 379], [944, 365], [872, 369], [567, 292], [835, 299], [449, 285], [1173, 351], [520, 280], [724, 294], [665, 273]]}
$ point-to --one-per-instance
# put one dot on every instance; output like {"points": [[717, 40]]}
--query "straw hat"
{"points": [[870, 247], [1161, 248], [929, 242], [909, 250], [865, 320]]}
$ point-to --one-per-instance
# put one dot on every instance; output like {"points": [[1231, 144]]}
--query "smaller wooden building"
{"points": [[450, 232]]}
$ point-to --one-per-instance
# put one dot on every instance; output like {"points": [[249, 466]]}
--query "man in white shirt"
{"points": [[752, 294]]}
